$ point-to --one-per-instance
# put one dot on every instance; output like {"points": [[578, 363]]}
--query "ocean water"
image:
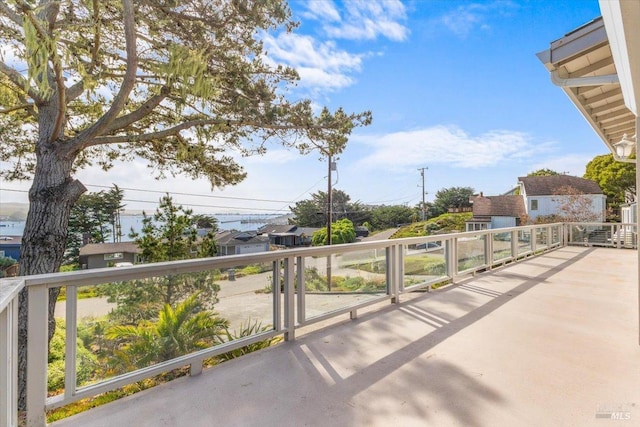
{"points": [[238, 222]]}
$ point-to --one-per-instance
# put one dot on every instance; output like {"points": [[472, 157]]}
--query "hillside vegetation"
{"points": [[445, 223]]}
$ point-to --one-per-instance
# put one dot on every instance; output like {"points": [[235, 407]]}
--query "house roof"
{"points": [[287, 230], [488, 206], [109, 248], [277, 228], [230, 238], [597, 65], [549, 185]]}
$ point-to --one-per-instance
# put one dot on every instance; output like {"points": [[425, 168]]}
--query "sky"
{"points": [[453, 86]]}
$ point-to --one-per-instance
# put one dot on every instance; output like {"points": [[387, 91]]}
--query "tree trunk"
{"points": [[51, 197]]}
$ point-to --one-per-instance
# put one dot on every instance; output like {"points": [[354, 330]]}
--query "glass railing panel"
{"points": [[542, 238], [501, 246], [424, 263], [556, 234], [471, 252], [524, 241], [591, 234], [343, 279], [128, 325]]}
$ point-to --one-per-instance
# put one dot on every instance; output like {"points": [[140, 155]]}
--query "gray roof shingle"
{"points": [[498, 206], [549, 185]]}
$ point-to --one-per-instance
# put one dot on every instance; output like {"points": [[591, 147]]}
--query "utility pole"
{"points": [[423, 193]]}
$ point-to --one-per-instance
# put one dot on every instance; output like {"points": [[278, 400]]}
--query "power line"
{"points": [[155, 202], [191, 194]]}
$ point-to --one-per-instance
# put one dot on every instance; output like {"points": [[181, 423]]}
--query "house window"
{"points": [[1, 254], [113, 256], [534, 205]]}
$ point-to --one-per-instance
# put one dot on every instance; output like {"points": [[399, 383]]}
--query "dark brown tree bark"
{"points": [[51, 197]]}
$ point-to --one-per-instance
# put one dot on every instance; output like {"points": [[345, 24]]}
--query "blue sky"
{"points": [[454, 86]]}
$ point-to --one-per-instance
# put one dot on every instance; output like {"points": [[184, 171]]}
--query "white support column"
{"points": [[37, 355], [638, 220]]}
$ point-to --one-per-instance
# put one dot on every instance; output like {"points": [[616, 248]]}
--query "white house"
{"points": [[541, 198]]}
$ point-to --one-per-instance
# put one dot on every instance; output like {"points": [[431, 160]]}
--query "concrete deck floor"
{"points": [[552, 340]]}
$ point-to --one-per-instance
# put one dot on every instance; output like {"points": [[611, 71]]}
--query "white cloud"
{"points": [[446, 145], [274, 157], [362, 19], [322, 10], [320, 64], [466, 18]]}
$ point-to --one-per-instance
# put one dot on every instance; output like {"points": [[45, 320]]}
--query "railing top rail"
{"points": [[9, 290], [101, 275]]}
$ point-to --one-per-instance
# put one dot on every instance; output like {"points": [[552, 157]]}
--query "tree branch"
{"points": [[75, 90], [17, 107], [80, 141], [173, 131], [157, 135], [143, 111], [17, 79], [9, 13]]}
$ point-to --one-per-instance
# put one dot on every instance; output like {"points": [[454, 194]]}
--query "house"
{"points": [[241, 242], [99, 255], [496, 212], [288, 236], [10, 247], [541, 195]]}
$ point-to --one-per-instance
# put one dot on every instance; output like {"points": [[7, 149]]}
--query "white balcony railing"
{"points": [[290, 301]]}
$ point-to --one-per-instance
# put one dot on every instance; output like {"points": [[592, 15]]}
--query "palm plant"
{"points": [[177, 331]]}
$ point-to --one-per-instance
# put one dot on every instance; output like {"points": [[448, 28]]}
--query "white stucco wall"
{"points": [[548, 205], [502, 221]]}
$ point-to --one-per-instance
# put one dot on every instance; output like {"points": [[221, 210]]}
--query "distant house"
{"points": [[541, 199], [241, 242], [10, 247], [288, 236], [496, 212], [99, 255]]}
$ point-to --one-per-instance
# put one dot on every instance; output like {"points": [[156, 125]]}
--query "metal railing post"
{"points": [[400, 269], [289, 299], [9, 364], [70, 374], [451, 257], [392, 273], [302, 289], [37, 355], [275, 288], [488, 250]]}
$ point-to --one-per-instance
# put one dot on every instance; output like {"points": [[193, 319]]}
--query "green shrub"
{"points": [[85, 360]]}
